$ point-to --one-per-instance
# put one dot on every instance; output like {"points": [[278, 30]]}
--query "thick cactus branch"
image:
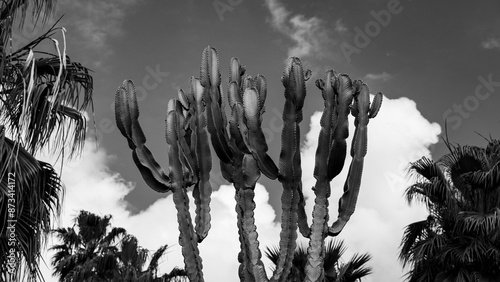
{"points": [[342, 86], [255, 140], [347, 203], [187, 239], [199, 145], [290, 169], [127, 114], [216, 118]]}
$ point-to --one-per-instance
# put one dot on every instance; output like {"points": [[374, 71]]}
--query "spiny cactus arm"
{"points": [[261, 86], [290, 171], [152, 173], [347, 203], [303, 225], [199, 140], [294, 82], [256, 139], [126, 115], [344, 92], [216, 117], [237, 122], [319, 227], [236, 71], [189, 165], [251, 173], [187, 238], [375, 105], [328, 123]]}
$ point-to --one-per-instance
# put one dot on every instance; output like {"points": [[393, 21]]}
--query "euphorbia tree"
{"points": [[242, 149]]}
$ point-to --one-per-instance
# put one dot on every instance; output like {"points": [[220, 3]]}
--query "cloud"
{"points": [[376, 226], [309, 35], [381, 214], [491, 43], [378, 76]]}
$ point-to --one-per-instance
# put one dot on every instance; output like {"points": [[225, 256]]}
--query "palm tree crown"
{"points": [[460, 239], [335, 269], [93, 251]]}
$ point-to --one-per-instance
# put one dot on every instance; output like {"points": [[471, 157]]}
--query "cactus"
{"points": [[240, 145]]}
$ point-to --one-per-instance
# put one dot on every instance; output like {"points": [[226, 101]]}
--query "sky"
{"points": [[435, 63]]}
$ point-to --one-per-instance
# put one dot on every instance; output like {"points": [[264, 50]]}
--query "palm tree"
{"points": [[460, 239], [97, 252], [42, 97], [89, 253], [335, 269]]}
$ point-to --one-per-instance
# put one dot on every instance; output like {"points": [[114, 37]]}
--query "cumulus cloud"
{"points": [[309, 35], [384, 76], [491, 43], [399, 134]]}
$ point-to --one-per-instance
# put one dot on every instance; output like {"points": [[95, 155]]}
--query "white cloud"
{"points": [[384, 76], [309, 35], [399, 134], [491, 43]]}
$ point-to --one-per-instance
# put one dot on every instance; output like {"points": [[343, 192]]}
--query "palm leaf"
{"points": [[35, 191]]}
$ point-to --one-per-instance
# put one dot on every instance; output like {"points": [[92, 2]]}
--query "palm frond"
{"points": [[356, 268], [30, 191], [153, 264]]}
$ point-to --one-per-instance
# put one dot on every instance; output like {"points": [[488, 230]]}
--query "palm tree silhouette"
{"points": [[335, 269], [460, 239]]}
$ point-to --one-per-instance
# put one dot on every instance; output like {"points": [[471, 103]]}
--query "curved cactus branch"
{"points": [[255, 138], [127, 114]]}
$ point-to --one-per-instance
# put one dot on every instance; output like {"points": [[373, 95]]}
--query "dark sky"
{"points": [[443, 55], [432, 52]]}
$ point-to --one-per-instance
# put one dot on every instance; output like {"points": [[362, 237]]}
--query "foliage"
{"points": [[42, 96], [335, 270], [96, 252], [460, 239], [242, 150]]}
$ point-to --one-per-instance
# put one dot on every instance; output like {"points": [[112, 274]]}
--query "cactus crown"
{"points": [[241, 148]]}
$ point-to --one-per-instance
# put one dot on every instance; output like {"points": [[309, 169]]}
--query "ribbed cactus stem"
{"points": [[316, 250], [202, 189], [187, 238]]}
